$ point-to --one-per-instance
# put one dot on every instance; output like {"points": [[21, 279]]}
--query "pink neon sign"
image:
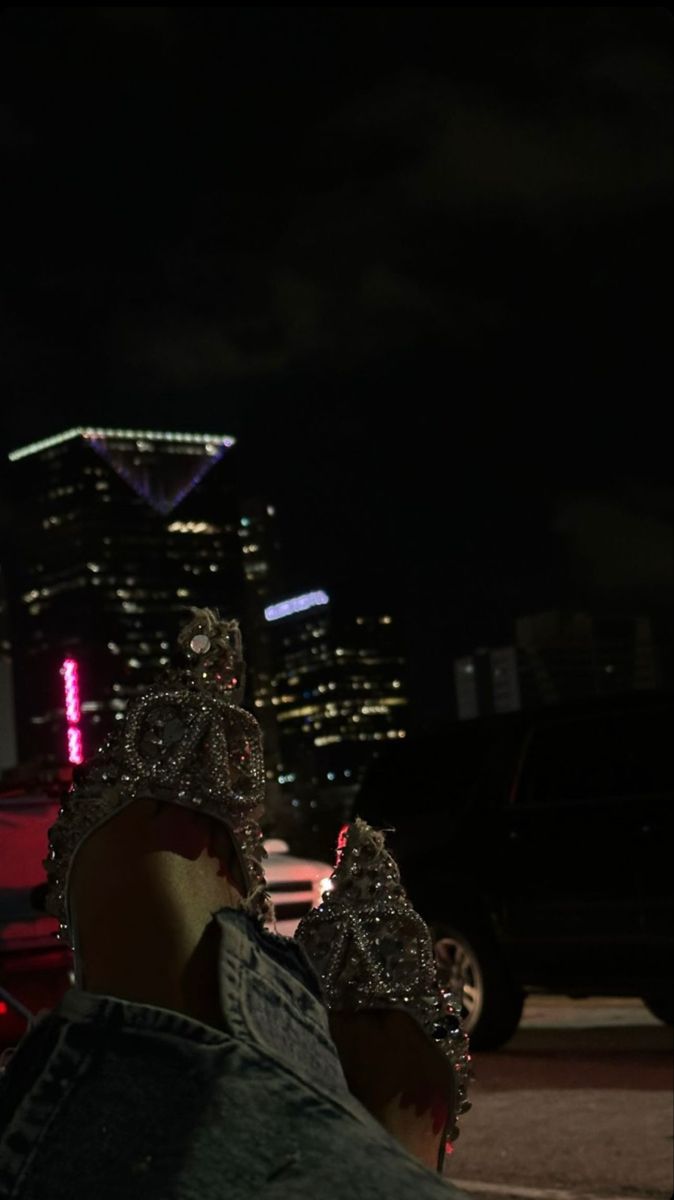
{"points": [[75, 754], [71, 687], [72, 690]]}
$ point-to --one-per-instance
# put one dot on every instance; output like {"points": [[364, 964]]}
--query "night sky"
{"points": [[417, 260]]}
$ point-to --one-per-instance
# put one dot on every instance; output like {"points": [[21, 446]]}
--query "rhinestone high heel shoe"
{"points": [[185, 741], [372, 951]]}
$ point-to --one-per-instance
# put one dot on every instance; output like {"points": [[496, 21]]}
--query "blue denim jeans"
{"points": [[110, 1100]]}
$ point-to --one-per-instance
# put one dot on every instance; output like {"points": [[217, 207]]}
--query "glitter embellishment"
{"points": [[184, 741], [372, 950]]}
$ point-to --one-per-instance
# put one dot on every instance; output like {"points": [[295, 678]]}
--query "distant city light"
{"points": [[71, 688], [297, 604], [192, 527]]}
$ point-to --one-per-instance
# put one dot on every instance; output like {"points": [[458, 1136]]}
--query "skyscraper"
{"points": [[338, 694], [118, 533], [262, 573]]}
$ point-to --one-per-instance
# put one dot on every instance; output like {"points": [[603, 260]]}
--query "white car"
{"points": [[295, 884]]}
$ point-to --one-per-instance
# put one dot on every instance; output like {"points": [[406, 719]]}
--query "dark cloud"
{"points": [[225, 166], [183, 352], [621, 544], [13, 135]]}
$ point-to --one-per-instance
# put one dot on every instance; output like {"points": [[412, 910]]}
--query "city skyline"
{"points": [[490, 624], [121, 531]]}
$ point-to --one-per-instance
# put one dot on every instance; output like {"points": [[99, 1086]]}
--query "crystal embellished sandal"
{"points": [[185, 741], [372, 951]]}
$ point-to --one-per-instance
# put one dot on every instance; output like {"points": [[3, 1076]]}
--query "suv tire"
{"points": [[470, 963]]}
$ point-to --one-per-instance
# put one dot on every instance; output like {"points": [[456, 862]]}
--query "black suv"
{"points": [[537, 846]]}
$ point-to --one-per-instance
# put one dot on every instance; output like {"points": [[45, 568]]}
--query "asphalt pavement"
{"points": [[578, 1106]]}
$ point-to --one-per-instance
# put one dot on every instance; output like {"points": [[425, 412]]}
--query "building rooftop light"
{"points": [[286, 608], [211, 442]]}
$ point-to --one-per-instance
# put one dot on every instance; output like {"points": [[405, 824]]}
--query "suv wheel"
{"points": [[469, 966]]}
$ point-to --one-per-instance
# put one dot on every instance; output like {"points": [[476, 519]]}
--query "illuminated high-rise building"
{"points": [[118, 533], [261, 553], [338, 692]]}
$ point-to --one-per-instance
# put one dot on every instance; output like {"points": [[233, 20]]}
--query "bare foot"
{"points": [[143, 890], [393, 1069]]}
